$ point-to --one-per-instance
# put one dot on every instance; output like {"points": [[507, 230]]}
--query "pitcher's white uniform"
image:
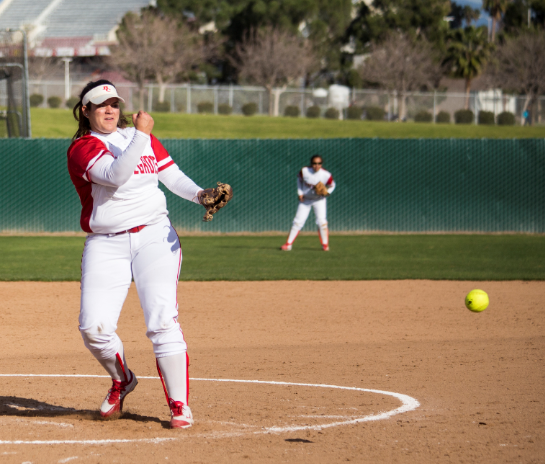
{"points": [[306, 180], [129, 236]]}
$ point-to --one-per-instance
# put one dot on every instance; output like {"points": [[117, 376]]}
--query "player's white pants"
{"points": [[301, 216], [153, 258]]}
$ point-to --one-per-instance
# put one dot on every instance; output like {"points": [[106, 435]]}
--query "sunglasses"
{"points": [[316, 163]]}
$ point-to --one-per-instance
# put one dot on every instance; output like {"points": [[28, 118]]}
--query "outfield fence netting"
{"points": [[394, 185]]}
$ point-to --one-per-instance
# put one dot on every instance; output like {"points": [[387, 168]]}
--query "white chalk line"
{"points": [[408, 403]]}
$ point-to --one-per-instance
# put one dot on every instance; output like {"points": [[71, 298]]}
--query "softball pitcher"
{"points": [[314, 184], [116, 170]]}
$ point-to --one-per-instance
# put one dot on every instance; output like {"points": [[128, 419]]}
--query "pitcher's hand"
{"points": [[143, 122]]}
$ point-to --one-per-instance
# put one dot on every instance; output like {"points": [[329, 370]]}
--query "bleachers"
{"points": [[21, 12], [81, 18], [70, 18]]}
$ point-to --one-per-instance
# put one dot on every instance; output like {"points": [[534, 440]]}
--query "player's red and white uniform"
{"points": [[306, 181], [116, 177]]}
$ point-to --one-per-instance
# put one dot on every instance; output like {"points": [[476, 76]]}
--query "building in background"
{"points": [[68, 28]]}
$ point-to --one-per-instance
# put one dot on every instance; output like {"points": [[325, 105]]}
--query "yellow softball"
{"points": [[477, 300]]}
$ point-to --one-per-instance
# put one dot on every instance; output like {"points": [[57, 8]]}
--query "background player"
{"points": [[312, 195], [116, 170]]}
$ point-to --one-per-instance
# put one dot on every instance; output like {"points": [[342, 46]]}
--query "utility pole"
{"points": [[66, 77]]}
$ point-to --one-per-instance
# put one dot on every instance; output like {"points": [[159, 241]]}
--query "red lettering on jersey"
{"points": [[148, 165]]}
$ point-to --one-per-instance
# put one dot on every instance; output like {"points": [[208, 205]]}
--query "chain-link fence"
{"points": [[14, 104], [396, 185], [437, 107]]}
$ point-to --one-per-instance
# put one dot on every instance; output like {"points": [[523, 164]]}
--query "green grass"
{"points": [[356, 257], [59, 123]]}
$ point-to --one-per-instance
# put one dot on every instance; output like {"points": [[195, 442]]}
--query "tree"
{"points": [[323, 22], [496, 9], [468, 51], [326, 28], [254, 15], [198, 12], [519, 66], [151, 47], [402, 65], [43, 67], [522, 14], [415, 18], [273, 58], [461, 14]]}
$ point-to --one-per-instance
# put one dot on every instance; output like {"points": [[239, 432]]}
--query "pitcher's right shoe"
{"points": [[286, 247], [113, 403], [180, 415]]}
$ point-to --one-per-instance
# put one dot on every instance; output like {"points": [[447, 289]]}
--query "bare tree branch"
{"points": [[401, 65], [519, 66], [273, 58], [151, 47], [42, 67]]}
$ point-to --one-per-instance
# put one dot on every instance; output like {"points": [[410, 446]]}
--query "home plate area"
{"points": [[53, 410]]}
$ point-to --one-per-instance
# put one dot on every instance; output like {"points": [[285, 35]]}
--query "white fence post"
{"points": [[150, 98], [434, 107]]}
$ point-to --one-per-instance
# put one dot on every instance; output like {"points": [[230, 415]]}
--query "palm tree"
{"points": [[468, 51], [495, 8]]}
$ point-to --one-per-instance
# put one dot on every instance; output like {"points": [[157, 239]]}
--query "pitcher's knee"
{"points": [[103, 345], [167, 341]]}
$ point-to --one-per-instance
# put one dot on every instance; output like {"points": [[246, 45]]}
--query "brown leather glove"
{"points": [[213, 199], [321, 190]]}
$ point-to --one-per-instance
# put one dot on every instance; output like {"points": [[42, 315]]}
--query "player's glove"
{"points": [[213, 199], [321, 190]]}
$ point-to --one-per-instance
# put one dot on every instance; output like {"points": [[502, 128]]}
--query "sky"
{"points": [[483, 20]]}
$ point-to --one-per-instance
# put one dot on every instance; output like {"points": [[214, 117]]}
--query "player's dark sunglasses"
{"points": [[316, 163]]}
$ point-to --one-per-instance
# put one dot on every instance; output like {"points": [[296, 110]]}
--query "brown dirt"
{"points": [[479, 378]]}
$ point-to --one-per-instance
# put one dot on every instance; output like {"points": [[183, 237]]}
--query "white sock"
{"points": [[324, 234], [113, 367], [174, 372], [293, 235]]}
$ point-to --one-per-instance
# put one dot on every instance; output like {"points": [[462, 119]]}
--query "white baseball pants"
{"points": [[301, 216], [153, 258]]}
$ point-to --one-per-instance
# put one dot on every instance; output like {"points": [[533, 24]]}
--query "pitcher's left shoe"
{"points": [[325, 247], [180, 415], [113, 403]]}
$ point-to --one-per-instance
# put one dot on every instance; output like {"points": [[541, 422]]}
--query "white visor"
{"points": [[100, 94]]}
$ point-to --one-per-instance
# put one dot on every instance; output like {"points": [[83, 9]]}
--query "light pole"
{"points": [[66, 77]]}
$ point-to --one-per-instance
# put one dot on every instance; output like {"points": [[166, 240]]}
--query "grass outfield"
{"points": [[356, 257], [59, 123]]}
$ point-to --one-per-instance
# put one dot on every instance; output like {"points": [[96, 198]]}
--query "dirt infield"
{"points": [[471, 385]]}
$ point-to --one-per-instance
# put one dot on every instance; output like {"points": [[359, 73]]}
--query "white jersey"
{"points": [[308, 178], [139, 201]]}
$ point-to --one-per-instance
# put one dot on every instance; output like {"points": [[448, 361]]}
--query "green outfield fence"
{"points": [[453, 185]]}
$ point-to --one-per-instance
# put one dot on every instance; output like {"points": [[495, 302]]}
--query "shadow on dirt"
{"points": [[25, 407]]}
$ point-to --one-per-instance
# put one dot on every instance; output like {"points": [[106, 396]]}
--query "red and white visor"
{"points": [[100, 94]]}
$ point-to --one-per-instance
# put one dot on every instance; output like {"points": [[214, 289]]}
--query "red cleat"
{"points": [[180, 415], [113, 403]]}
